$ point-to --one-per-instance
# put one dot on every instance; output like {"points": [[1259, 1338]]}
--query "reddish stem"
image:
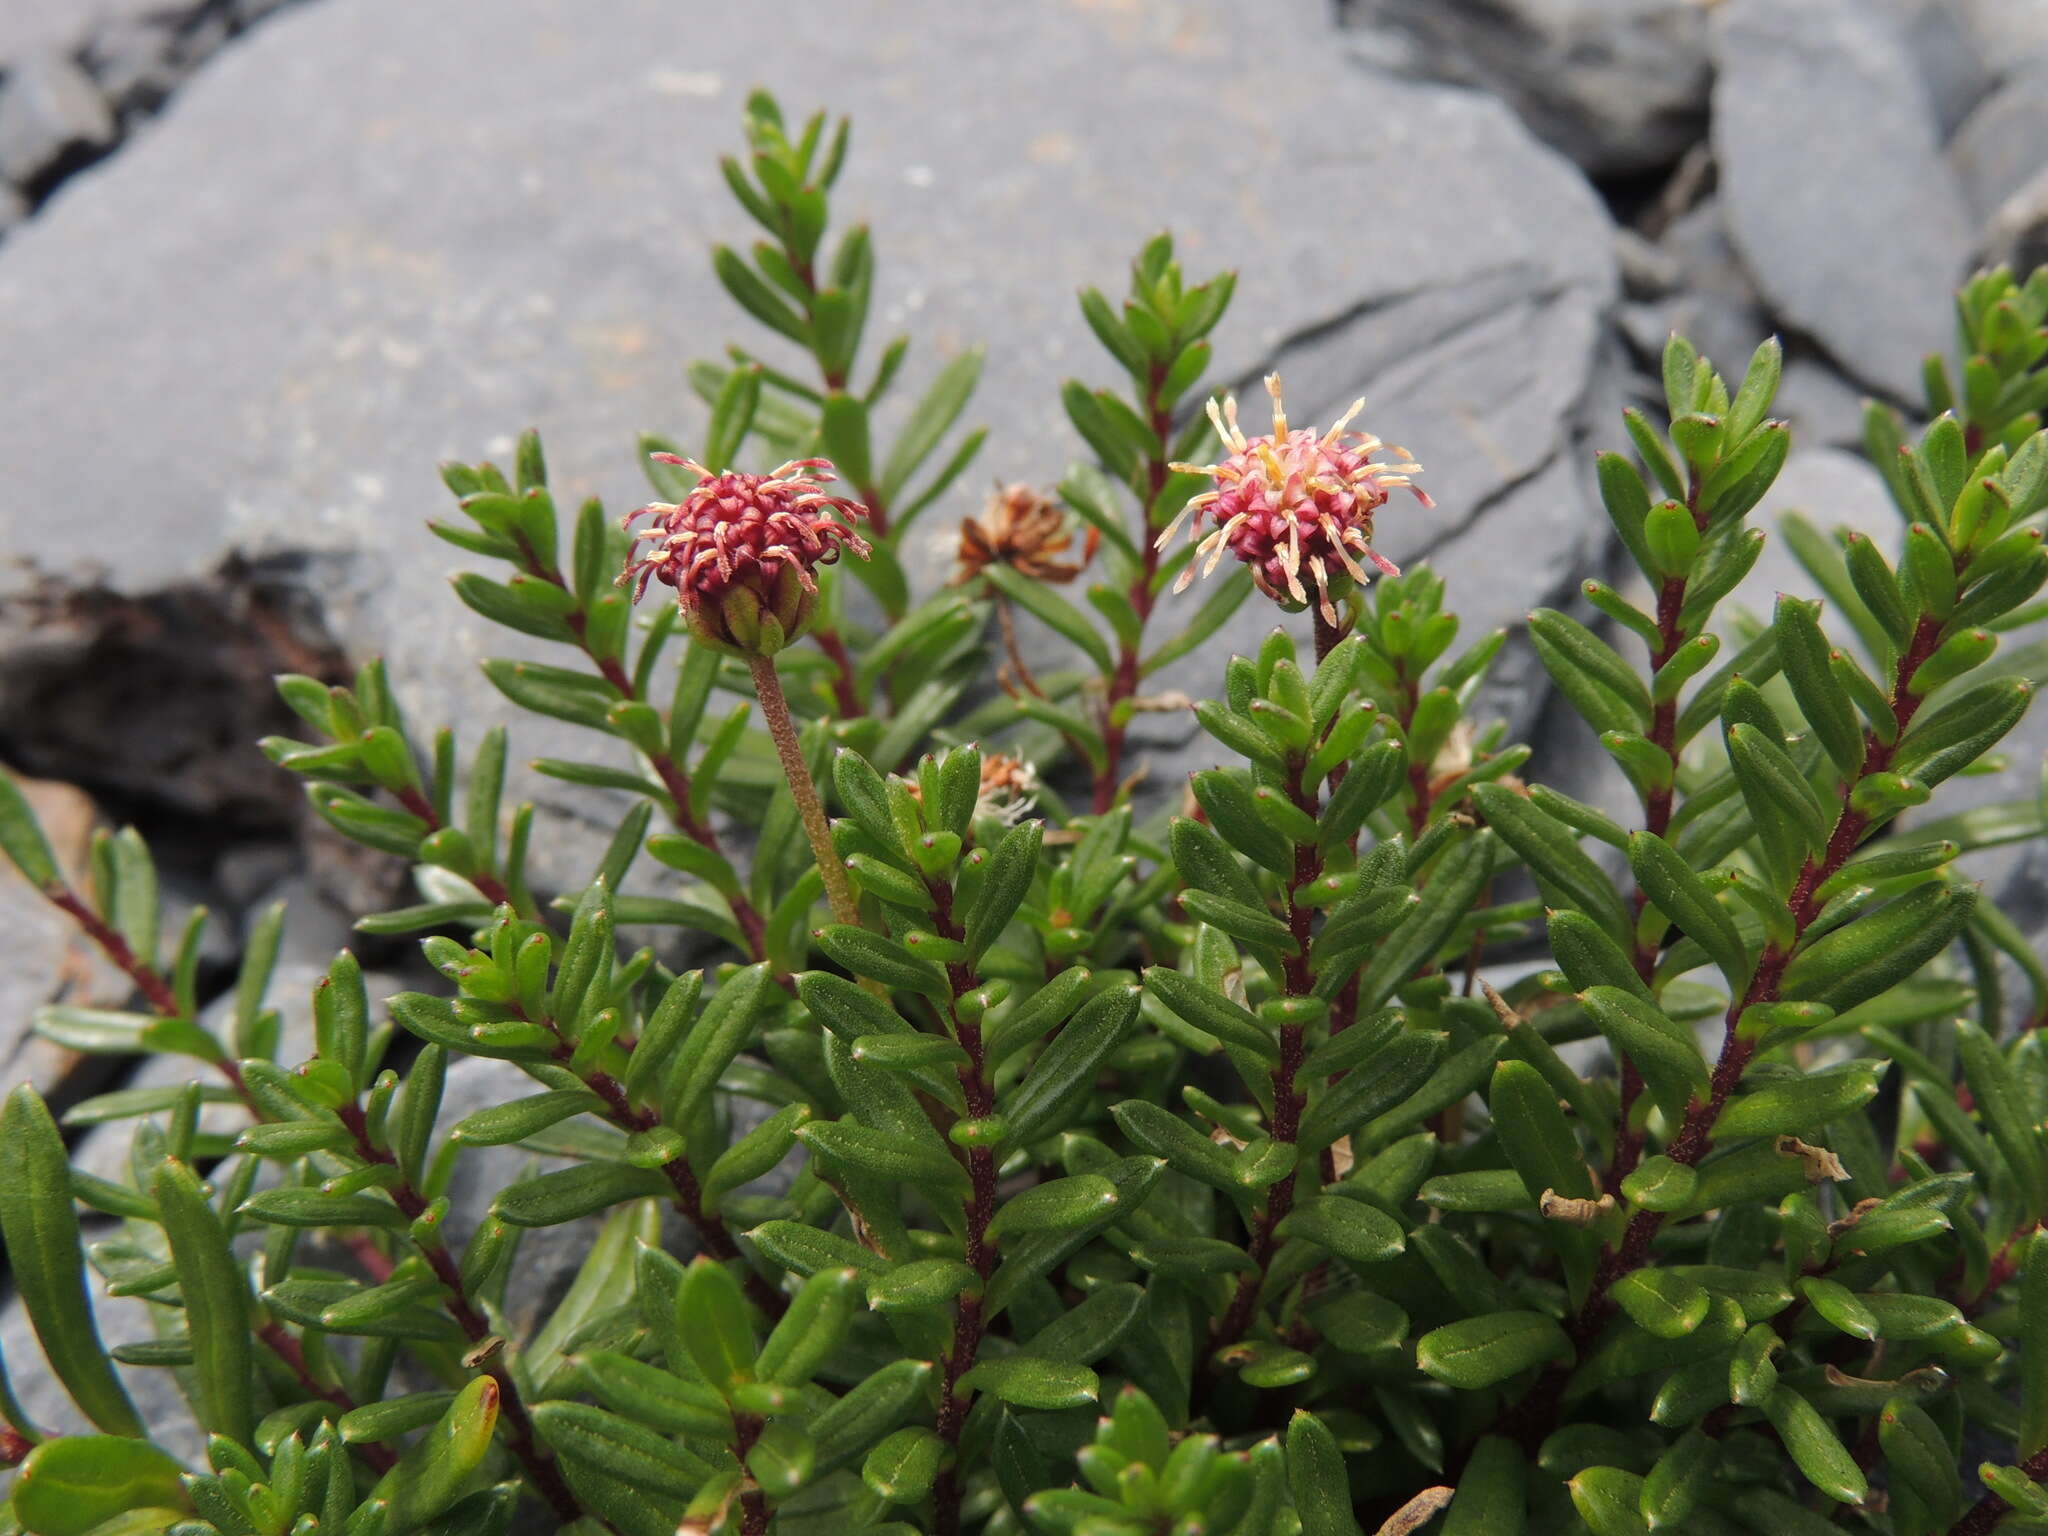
{"points": [[1123, 683], [285, 1345], [1530, 1418], [493, 889], [1288, 1099], [969, 1325], [710, 1227], [538, 1462], [1984, 1515]]}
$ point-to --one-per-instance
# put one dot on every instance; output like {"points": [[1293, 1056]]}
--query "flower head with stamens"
{"points": [[1294, 506], [740, 551]]}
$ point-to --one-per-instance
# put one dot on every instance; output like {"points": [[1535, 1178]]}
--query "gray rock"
{"points": [[2010, 36], [1725, 330], [1939, 41], [2017, 235], [2003, 143], [1830, 489], [289, 362], [1709, 298], [51, 115], [122, 1320], [1618, 85], [1837, 196], [1825, 409], [13, 208]]}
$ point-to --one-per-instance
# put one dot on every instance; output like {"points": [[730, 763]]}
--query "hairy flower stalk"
{"points": [[775, 712], [1292, 502], [741, 552]]}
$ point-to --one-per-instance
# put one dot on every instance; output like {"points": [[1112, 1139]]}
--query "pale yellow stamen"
{"points": [[1337, 428], [1315, 564], [1279, 410]]}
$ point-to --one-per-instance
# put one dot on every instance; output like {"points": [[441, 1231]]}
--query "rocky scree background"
{"points": [[370, 235]]}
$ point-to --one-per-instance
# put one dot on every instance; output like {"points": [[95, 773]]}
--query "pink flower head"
{"points": [[1294, 504], [740, 550]]}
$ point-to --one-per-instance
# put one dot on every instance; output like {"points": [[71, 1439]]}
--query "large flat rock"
{"points": [[261, 326]]}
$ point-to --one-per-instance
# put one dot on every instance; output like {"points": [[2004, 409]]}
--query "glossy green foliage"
{"points": [[1377, 1138]]}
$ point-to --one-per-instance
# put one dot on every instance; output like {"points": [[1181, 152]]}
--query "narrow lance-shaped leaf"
{"points": [[711, 1320], [47, 1263], [1317, 1479], [435, 1471], [1684, 898], [216, 1303]]}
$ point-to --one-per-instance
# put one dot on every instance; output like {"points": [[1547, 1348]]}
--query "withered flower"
{"points": [[1009, 788], [1025, 530]]}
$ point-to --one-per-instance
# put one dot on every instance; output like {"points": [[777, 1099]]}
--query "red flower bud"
{"points": [[740, 550]]}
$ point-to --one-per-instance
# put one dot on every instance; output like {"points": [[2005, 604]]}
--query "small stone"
{"points": [[2017, 235], [1837, 196], [1620, 86], [52, 117], [1830, 489], [1647, 270], [135, 59], [1824, 409], [248, 870], [2003, 143]]}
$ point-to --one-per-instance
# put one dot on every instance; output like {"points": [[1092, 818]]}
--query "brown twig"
{"points": [[1123, 682]]}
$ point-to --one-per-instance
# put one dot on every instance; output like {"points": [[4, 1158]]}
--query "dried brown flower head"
{"points": [[1025, 530]]}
